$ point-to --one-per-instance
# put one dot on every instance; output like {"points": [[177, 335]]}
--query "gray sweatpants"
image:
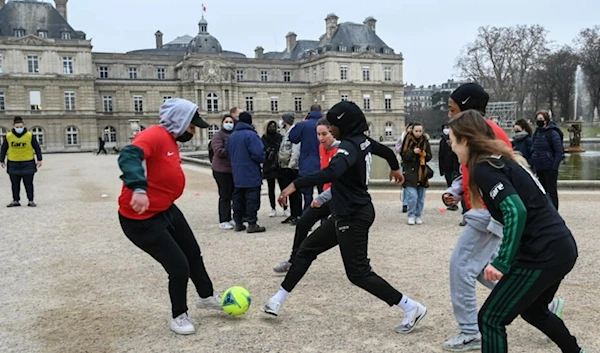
{"points": [[476, 247]]}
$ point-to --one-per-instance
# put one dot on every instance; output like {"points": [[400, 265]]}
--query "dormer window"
{"points": [[372, 50], [356, 49], [43, 34], [342, 48], [65, 35], [19, 33], [387, 51]]}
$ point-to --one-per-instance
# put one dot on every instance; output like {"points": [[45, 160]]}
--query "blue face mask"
{"points": [[228, 126], [19, 130]]}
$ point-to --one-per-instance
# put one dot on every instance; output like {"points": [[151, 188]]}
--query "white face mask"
{"points": [[19, 130], [281, 125], [446, 131]]}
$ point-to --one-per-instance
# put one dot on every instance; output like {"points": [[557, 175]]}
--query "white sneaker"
{"points": [[287, 213], [225, 225], [212, 302], [463, 342], [411, 221], [182, 325], [412, 319], [419, 220], [272, 308], [273, 213], [232, 222]]}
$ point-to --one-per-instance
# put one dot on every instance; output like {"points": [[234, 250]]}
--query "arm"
{"points": [[558, 149], [498, 192], [382, 151], [295, 158], [218, 146], [3, 150], [36, 148], [295, 134], [343, 159], [428, 154], [324, 197], [256, 148], [130, 163], [441, 156]]}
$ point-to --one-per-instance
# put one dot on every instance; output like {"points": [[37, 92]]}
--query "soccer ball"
{"points": [[236, 301]]}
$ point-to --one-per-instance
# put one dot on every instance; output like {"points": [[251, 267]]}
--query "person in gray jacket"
{"points": [[289, 155]]}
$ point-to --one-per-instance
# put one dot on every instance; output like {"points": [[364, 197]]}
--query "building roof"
{"points": [[33, 16], [301, 47]]}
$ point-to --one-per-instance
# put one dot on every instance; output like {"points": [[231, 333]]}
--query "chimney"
{"points": [[159, 41], [2, 3], [370, 21], [290, 39], [61, 7], [259, 52], [330, 25]]}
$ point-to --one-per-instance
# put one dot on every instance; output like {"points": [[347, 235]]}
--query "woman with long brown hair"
{"points": [[537, 249]]}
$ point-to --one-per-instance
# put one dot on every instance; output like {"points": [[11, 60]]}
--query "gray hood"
{"points": [[176, 115]]}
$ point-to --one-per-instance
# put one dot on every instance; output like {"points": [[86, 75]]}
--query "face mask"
{"points": [[185, 137], [540, 123], [228, 126], [281, 124], [517, 131], [19, 130], [446, 131]]}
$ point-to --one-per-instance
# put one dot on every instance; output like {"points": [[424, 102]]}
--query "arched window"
{"points": [[72, 136], [38, 133], [109, 134], [212, 130], [3, 133], [389, 129], [212, 102]]}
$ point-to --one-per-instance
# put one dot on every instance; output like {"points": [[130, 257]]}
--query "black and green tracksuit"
{"points": [[537, 251]]}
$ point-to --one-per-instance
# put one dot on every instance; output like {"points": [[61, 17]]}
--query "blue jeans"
{"points": [[415, 200]]}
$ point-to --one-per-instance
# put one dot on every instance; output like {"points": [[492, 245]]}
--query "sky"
{"points": [[429, 33]]}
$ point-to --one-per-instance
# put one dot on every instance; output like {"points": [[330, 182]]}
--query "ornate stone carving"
{"points": [[31, 40]]}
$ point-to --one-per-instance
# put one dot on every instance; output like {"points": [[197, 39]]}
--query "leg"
{"points": [[548, 179], [153, 237], [296, 197], [353, 237], [420, 201], [527, 292], [321, 240], [15, 181], [224, 187], [271, 187], [239, 205], [281, 187], [28, 182], [471, 254], [411, 196], [305, 223], [183, 235], [307, 194], [252, 196]]}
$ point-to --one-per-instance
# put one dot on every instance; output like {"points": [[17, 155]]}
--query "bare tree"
{"points": [[560, 67], [503, 60], [589, 53]]}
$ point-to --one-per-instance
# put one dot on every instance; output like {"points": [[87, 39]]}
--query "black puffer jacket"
{"points": [[272, 143]]}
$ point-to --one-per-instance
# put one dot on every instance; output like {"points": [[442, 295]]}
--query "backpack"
{"points": [[211, 152], [561, 135]]}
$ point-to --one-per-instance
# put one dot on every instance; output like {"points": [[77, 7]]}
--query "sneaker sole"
{"points": [[269, 312], [416, 323], [476, 347]]}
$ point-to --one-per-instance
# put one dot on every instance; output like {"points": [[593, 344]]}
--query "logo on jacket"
{"points": [[169, 154], [341, 115], [496, 189]]}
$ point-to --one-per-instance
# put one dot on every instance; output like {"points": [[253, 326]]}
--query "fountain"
{"points": [[576, 125]]}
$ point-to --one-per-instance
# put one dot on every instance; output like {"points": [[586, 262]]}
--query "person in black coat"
{"points": [[101, 148], [272, 141], [449, 166]]}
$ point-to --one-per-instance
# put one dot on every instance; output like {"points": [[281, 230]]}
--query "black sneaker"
{"points": [[255, 228], [239, 227], [463, 223], [404, 209], [294, 221], [31, 204], [452, 208], [14, 204], [287, 220]]}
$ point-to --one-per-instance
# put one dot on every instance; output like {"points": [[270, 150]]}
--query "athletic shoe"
{"points": [[14, 204], [419, 220], [283, 267], [463, 342], [255, 228], [556, 306], [225, 225], [273, 213], [239, 227], [412, 319], [212, 302], [463, 223], [287, 220], [272, 308], [232, 222], [182, 325], [452, 208], [31, 204], [411, 221], [287, 213], [294, 221]]}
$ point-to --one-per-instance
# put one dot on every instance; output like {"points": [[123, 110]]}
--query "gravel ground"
{"points": [[72, 282]]}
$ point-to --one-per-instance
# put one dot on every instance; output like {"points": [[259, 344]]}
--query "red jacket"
{"points": [[164, 174], [325, 157], [501, 135]]}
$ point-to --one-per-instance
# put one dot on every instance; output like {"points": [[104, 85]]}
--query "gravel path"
{"points": [[70, 281]]}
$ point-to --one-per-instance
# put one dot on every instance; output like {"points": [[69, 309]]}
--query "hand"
{"points": [[397, 176], [3, 165], [417, 151], [283, 197], [315, 204], [491, 274], [39, 164], [448, 199], [139, 203]]}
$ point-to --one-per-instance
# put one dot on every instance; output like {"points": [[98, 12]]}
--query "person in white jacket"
{"points": [[289, 155]]}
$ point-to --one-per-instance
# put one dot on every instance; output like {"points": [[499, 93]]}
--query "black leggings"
{"points": [[271, 185], [306, 222], [225, 185], [167, 237], [549, 180], [526, 292], [351, 233], [15, 181]]}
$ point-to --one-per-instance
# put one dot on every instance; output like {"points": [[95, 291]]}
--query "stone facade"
{"points": [[91, 94]]}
